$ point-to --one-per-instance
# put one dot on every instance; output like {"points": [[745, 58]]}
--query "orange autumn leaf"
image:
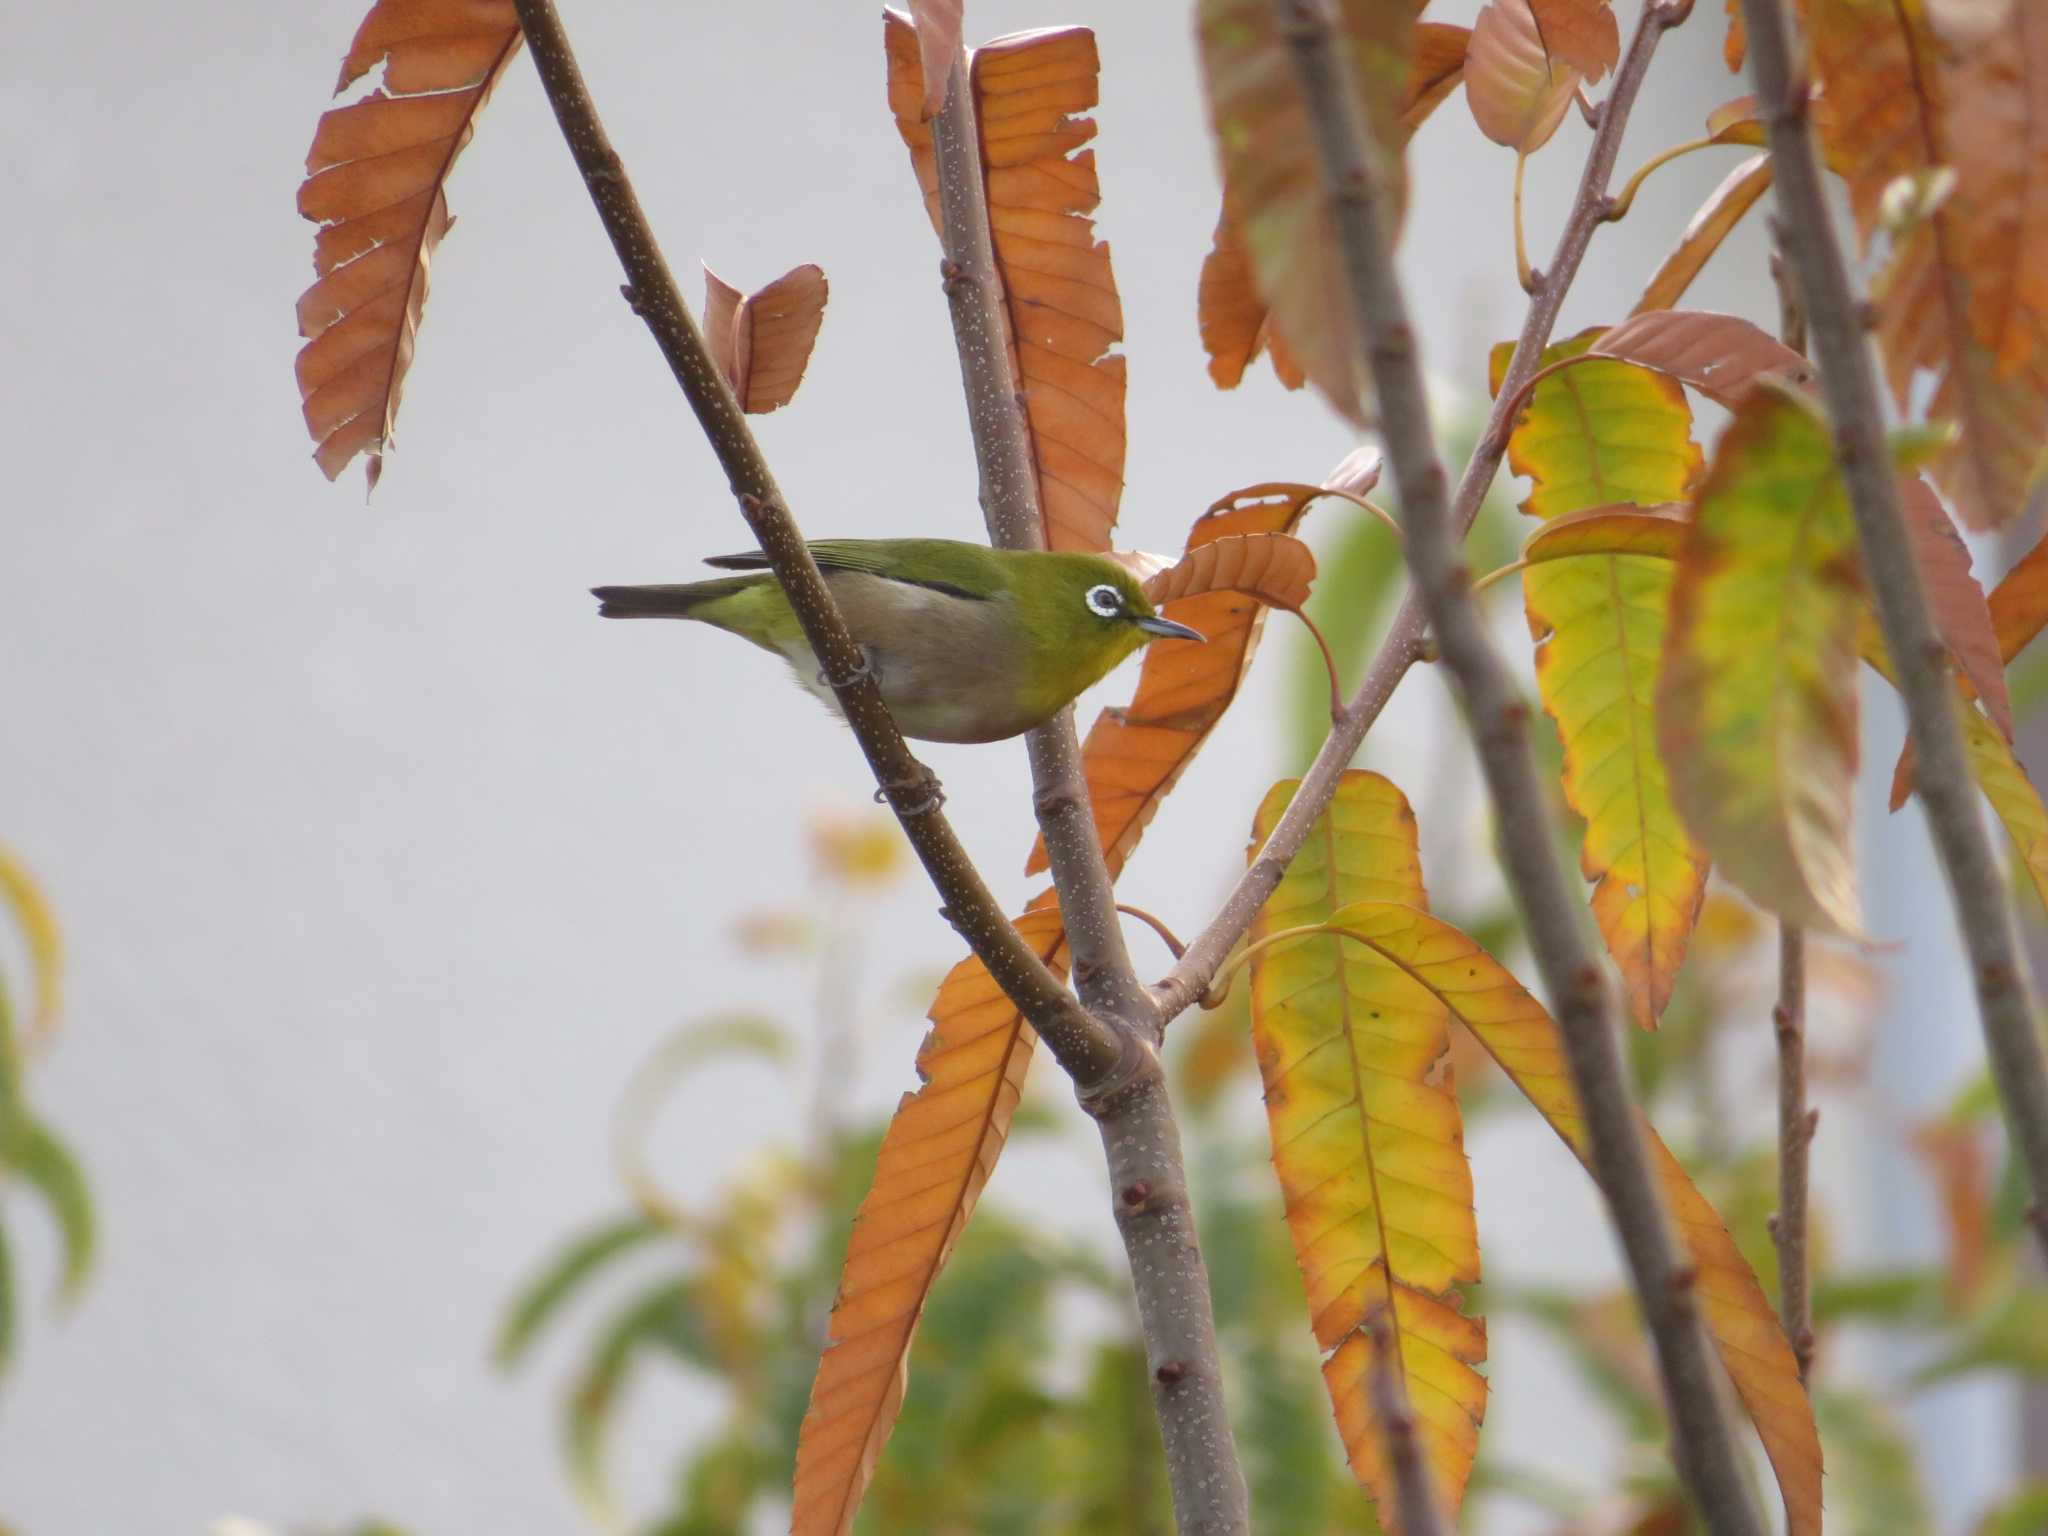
{"points": [[1721, 356], [1060, 303], [1963, 296], [2019, 603], [1735, 42], [1275, 568], [1724, 208], [1233, 319], [1368, 1140], [1520, 71], [761, 341], [375, 180], [1134, 755], [935, 1157]]}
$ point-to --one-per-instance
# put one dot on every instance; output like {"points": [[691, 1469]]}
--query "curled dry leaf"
{"points": [[1620, 529], [1273, 192], [1722, 356], [761, 342], [1518, 86], [1356, 473], [1718, 215], [1133, 756], [1060, 301], [375, 180], [1275, 568]]}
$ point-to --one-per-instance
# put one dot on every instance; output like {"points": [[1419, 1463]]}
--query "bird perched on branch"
{"points": [[967, 643]]}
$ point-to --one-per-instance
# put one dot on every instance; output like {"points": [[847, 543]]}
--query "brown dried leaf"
{"points": [[1275, 568], [1722, 356], [935, 1157], [1235, 329], [1518, 88], [901, 49], [1581, 33], [1134, 756], [374, 183], [938, 40], [1960, 611], [762, 342], [1718, 215], [1434, 72], [1965, 293]]}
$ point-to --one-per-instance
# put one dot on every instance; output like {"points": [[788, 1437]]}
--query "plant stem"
{"points": [[1087, 1048], [1977, 888], [1103, 973], [1140, 1136], [1795, 1139], [1551, 908], [1405, 642]]}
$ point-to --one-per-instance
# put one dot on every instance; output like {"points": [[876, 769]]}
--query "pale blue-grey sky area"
{"points": [[382, 861]]}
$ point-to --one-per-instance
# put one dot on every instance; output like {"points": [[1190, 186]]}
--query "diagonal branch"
{"points": [[1584, 1002], [1140, 1134], [1088, 1050], [1981, 896], [1405, 643]]}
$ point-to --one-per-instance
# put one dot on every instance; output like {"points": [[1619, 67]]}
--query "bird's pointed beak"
{"points": [[1155, 625]]}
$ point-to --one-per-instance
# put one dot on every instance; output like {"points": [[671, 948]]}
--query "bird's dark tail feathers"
{"points": [[667, 602]]}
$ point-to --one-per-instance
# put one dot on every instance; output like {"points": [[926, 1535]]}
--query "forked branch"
{"points": [[1582, 999], [1977, 888], [1088, 1050]]}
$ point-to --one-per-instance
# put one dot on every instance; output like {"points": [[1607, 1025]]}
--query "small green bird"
{"points": [[967, 643]]}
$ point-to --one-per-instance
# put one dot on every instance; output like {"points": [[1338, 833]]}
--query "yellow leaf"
{"points": [[1756, 711], [1060, 304], [21, 896], [2012, 794], [1367, 1139], [935, 1158], [374, 180], [1593, 435], [1523, 1039]]}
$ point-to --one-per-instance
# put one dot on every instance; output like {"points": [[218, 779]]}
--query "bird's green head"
{"points": [[1084, 613]]}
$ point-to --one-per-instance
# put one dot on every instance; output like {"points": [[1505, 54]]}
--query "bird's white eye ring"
{"points": [[1105, 602]]}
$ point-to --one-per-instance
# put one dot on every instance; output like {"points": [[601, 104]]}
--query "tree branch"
{"points": [[1405, 642], [1795, 1139], [1415, 1506], [1588, 1018], [1088, 1050], [1140, 1137], [1977, 887], [1103, 973]]}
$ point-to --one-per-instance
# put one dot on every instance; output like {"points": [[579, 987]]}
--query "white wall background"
{"points": [[381, 860]]}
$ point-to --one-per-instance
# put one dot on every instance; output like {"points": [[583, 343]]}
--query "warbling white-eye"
{"points": [[967, 643]]}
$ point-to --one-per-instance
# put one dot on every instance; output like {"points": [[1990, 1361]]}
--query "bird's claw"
{"points": [[862, 673], [923, 784]]}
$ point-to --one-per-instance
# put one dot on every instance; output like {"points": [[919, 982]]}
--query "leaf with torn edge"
{"points": [[937, 1154], [1608, 434], [1524, 1041], [1725, 208], [1721, 356], [375, 180], [1272, 177], [1133, 756], [1519, 86], [1368, 1140], [1757, 709], [762, 341]]}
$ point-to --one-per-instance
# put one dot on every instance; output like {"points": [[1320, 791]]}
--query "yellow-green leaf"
{"points": [[1272, 180], [21, 896], [1757, 709], [1999, 774], [1523, 1039], [1367, 1139], [1592, 435]]}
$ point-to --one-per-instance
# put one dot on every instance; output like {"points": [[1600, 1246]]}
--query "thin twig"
{"points": [[1551, 906], [1406, 642], [1416, 1508], [1010, 505], [1795, 1140], [1140, 1137], [1091, 1052], [1977, 888]]}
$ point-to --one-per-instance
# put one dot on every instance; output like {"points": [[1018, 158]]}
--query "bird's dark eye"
{"points": [[1105, 602]]}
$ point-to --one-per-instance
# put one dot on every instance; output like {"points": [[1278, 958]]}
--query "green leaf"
{"points": [[32, 1150], [662, 1318], [1756, 712], [1873, 1475], [2012, 1335], [560, 1277], [7, 1302], [2024, 1514]]}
